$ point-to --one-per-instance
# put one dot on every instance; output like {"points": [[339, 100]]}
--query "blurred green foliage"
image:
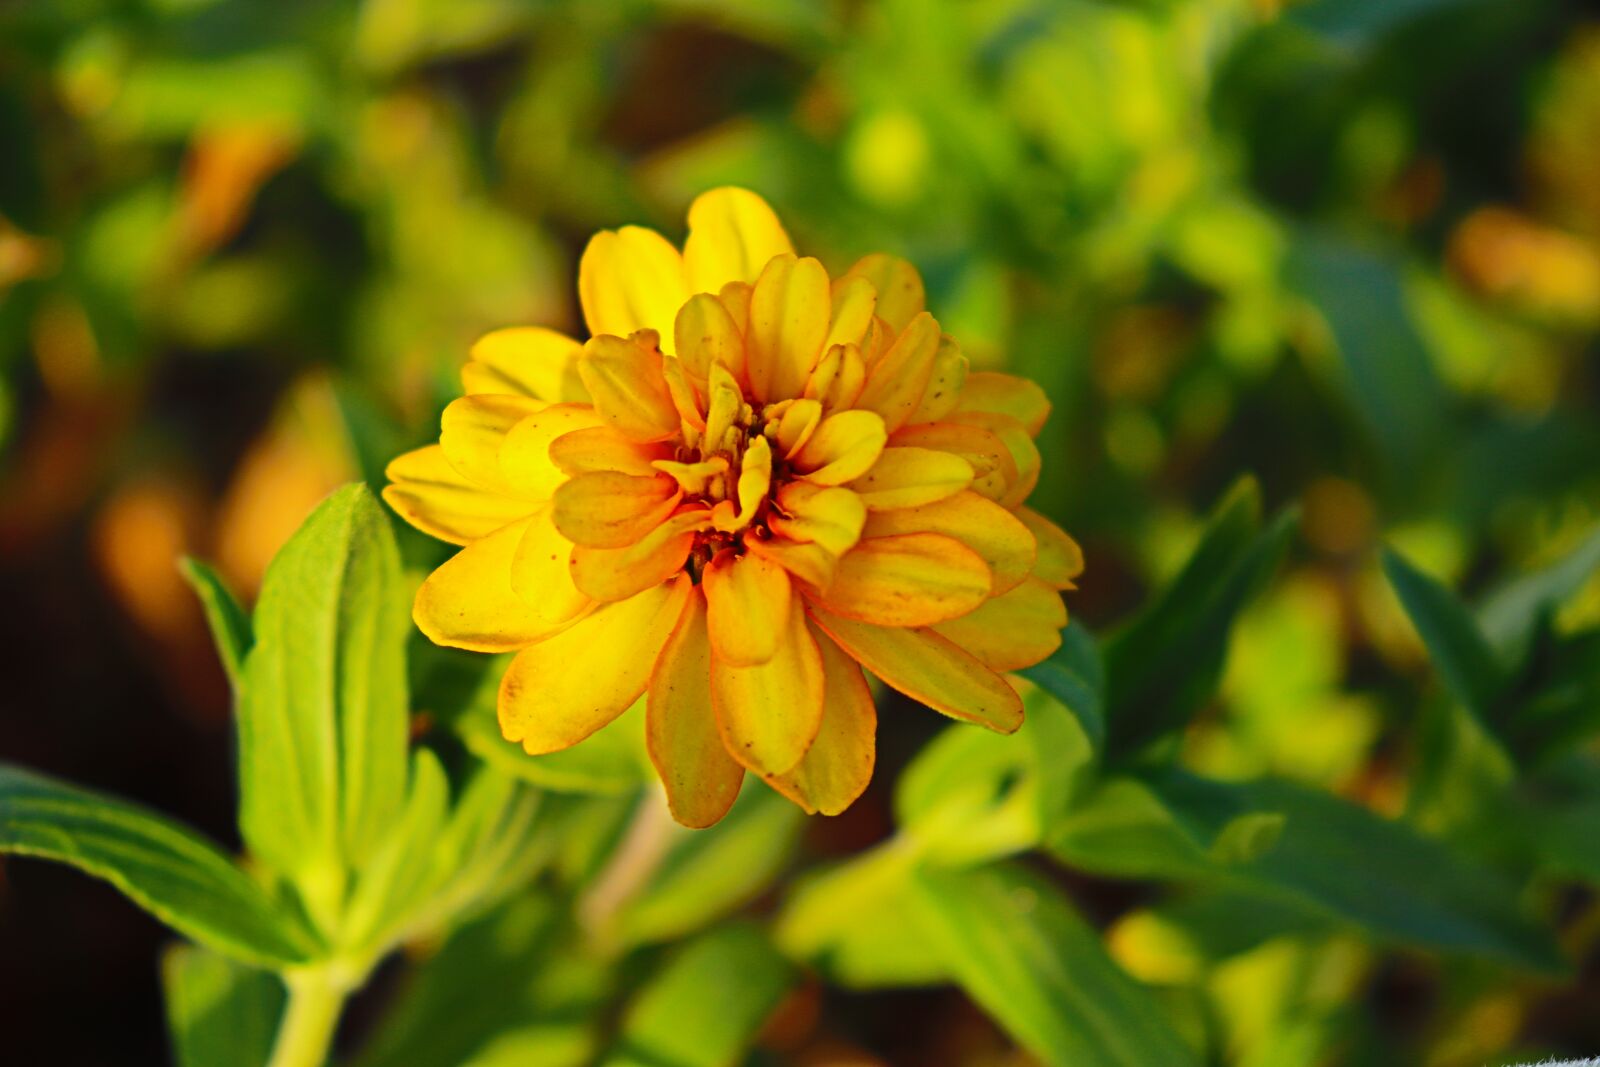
{"points": [[1351, 246]]}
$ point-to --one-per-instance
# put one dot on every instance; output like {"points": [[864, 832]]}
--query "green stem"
{"points": [[305, 1035]]}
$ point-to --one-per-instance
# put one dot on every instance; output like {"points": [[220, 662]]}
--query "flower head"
{"points": [[750, 483]]}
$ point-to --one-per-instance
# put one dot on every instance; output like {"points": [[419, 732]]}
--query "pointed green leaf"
{"points": [[230, 626], [220, 1013], [1460, 653], [1075, 676], [393, 885], [322, 716], [705, 1008], [1019, 949], [171, 872], [1511, 614]]}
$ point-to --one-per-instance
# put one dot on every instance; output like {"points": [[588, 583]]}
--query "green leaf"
{"points": [[1163, 666], [174, 874], [709, 873], [323, 714], [401, 875], [1075, 676], [1511, 614], [705, 1008], [611, 762], [220, 1013], [230, 626], [1460, 653], [1340, 861], [1018, 948]]}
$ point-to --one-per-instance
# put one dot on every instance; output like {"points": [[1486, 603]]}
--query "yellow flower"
{"points": [[749, 484]]}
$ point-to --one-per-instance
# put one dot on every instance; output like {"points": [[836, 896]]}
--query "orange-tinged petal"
{"points": [[541, 572], [843, 448], [911, 477], [943, 392], [1060, 559], [830, 516], [700, 778], [901, 297], [807, 561], [527, 361], [789, 311], [609, 510], [748, 602], [706, 335], [995, 534], [603, 449], [1011, 631], [1006, 394], [630, 391], [908, 580], [755, 478], [630, 279], [432, 495], [469, 602], [994, 470], [796, 425], [732, 235], [1024, 453], [929, 668], [609, 574], [837, 767], [854, 301], [525, 454], [472, 430], [838, 378], [768, 715], [897, 382], [565, 688], [685, 398]]}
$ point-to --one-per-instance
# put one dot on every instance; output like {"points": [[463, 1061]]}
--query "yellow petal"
{"points": [[630, 392], [1013, 630], [789, 310], [432, 496], [898, 285], [609, 510], [604, 449], [1006, 394], [929, 668], [944, 389], [838, 766], [843, 448], [769, 714], [724, 406], [707, 335], [838, 378], [1024, 453], [472, 430], [994, 469], [1000, 538], [525, 454], [1060, 559], [748, 600], [755, 478], [732, 235], [735, 296], [796, 425], [630, 279], [809, 562], [565, 688], [897, 382], [541, 573], [829, 516], [527, 361], [700, 778], [854, 301], [469, 602], [693, 478], [908, 580], [685, 398], [911, 477], [609, 574]]}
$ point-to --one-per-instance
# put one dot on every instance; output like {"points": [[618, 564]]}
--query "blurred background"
{"points": [[1352, 246]]}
